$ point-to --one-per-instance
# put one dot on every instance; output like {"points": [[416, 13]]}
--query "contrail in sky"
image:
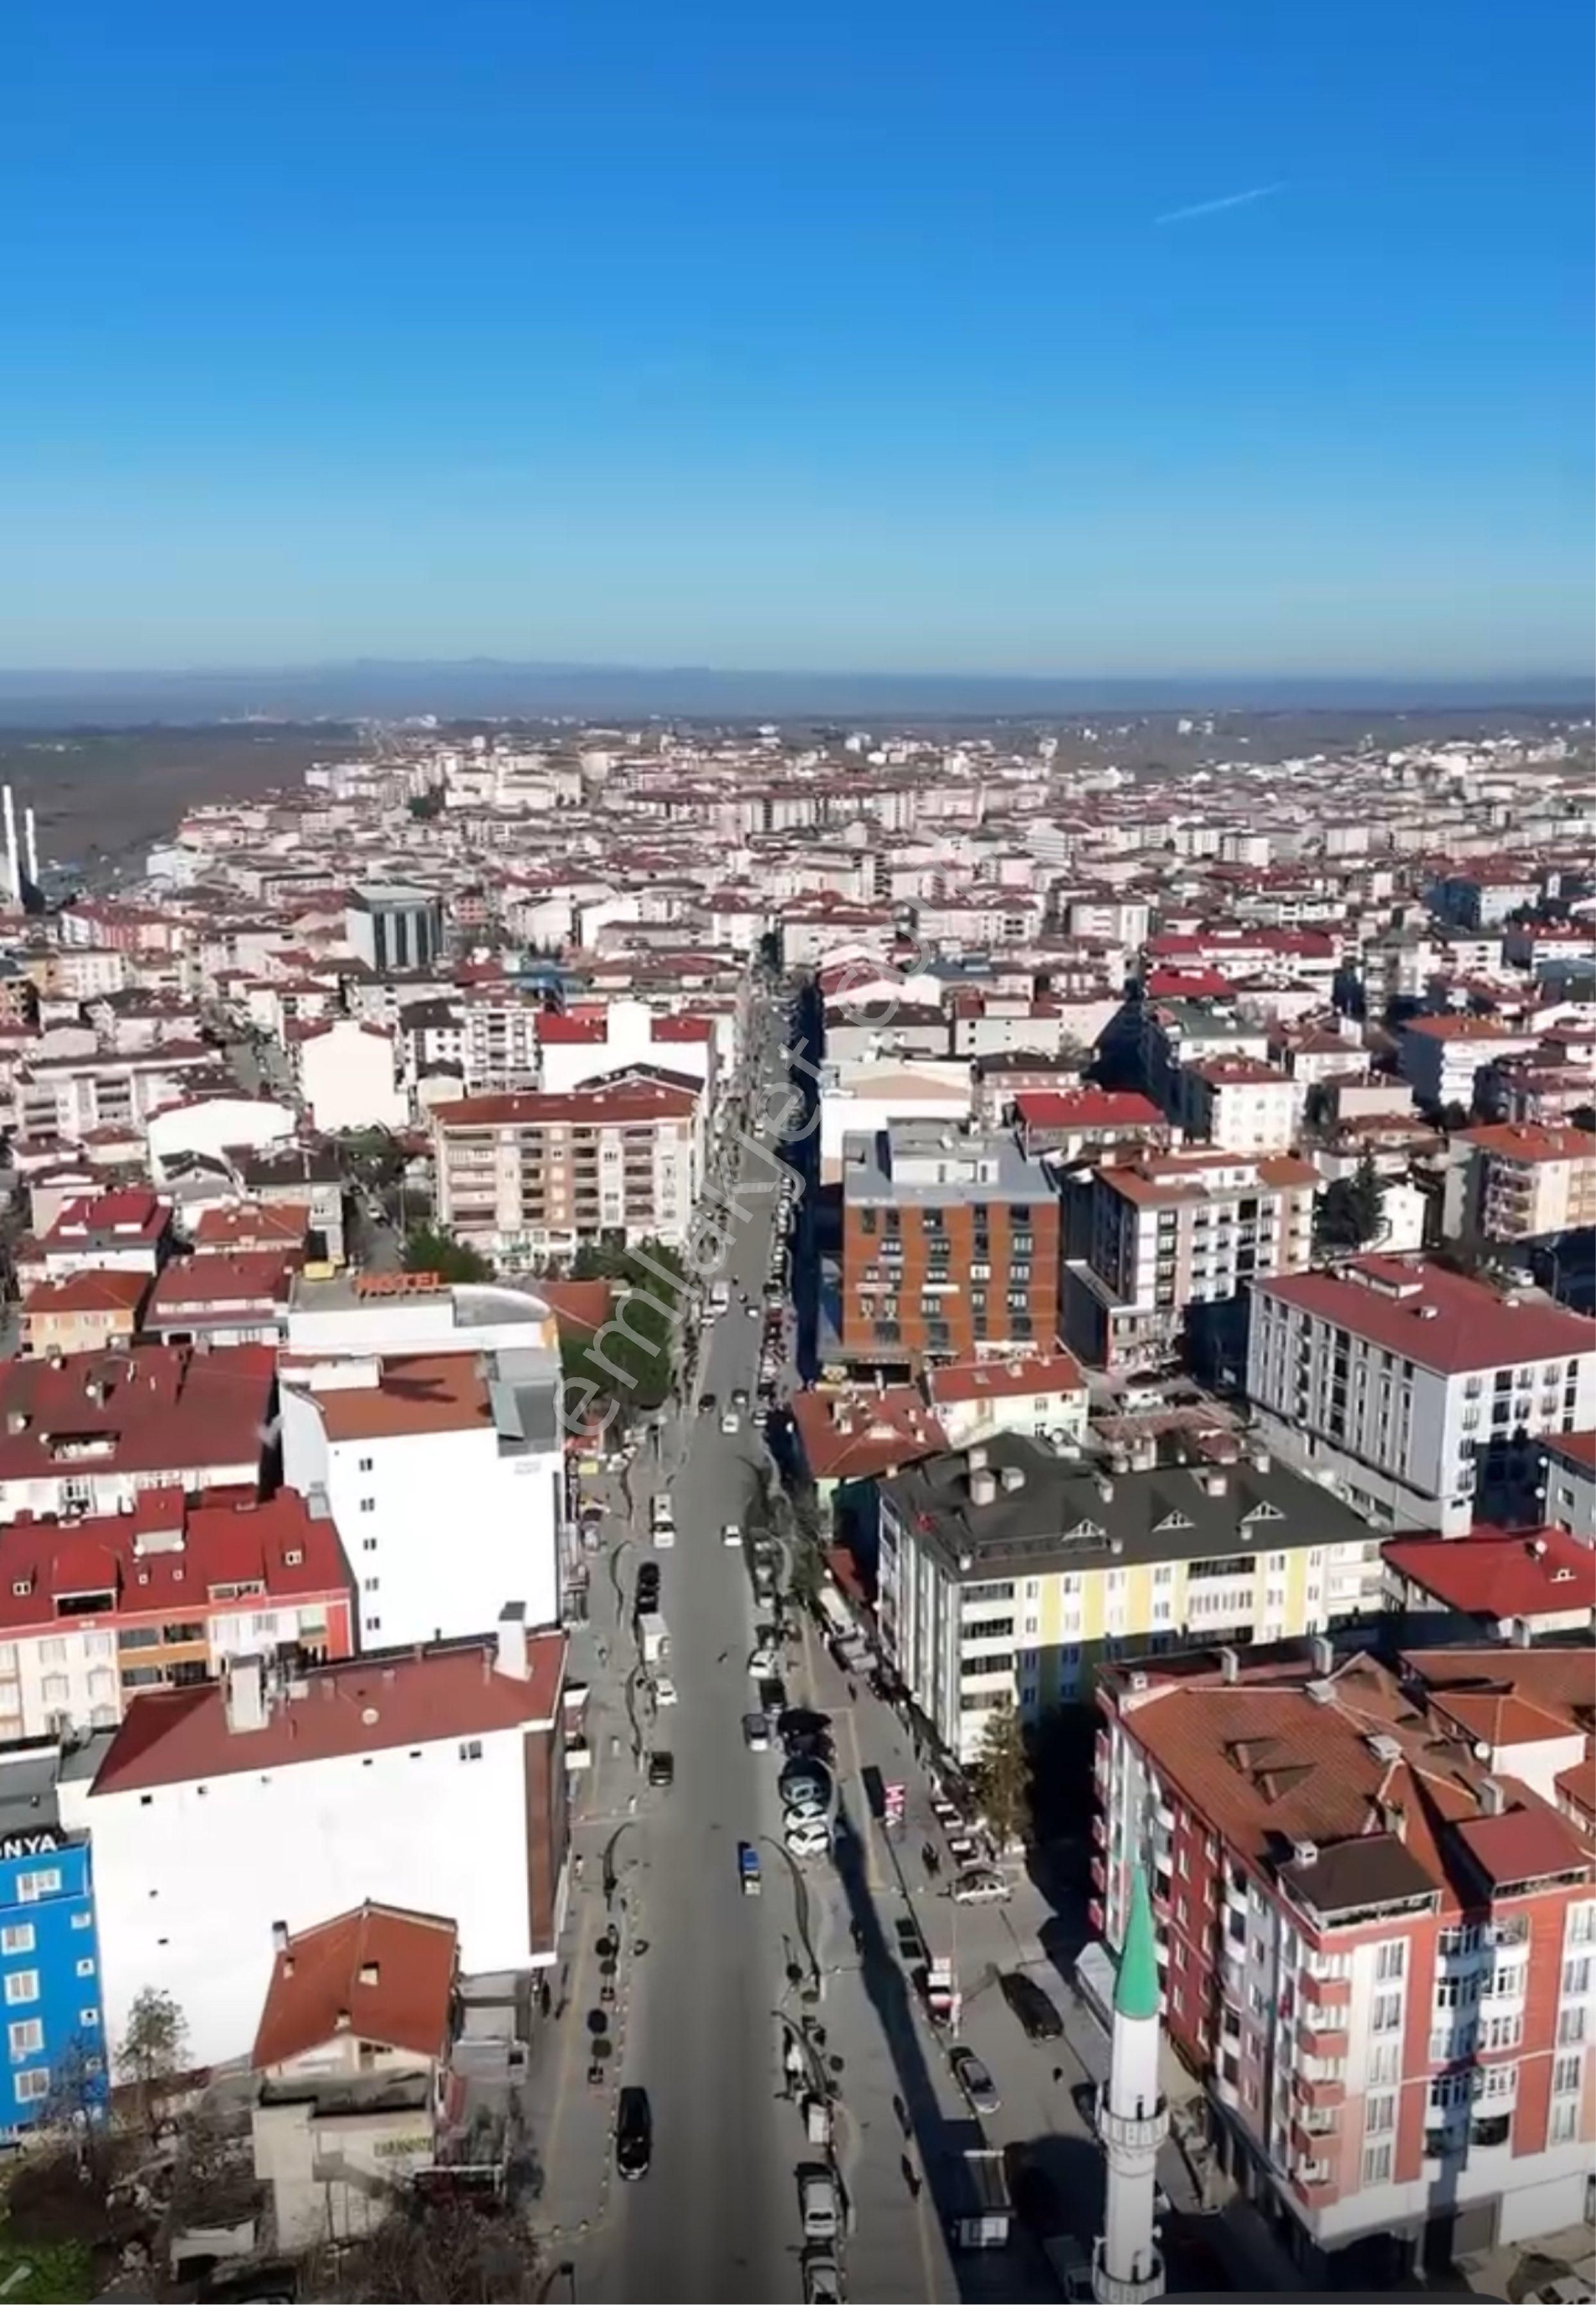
{"points": [[1214, 208]]}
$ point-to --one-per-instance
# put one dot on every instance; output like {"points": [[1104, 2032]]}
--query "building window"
{"points": [[22, 1985], [32, 1887], [471, 1748], [18, 1938], [86, 1967], [83, 1920], [368, 1504], [364, 1464], [1566, 2074], [1564, 2123], [1379, 2118], [1385, 2062], [1577, 1976], [1388, 2013], [1376, 2164], [27, 2037], [1390, 1960], [32, 2086]]}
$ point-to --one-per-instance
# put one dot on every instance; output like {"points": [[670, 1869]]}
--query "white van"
{"points": [[663, 1520]]}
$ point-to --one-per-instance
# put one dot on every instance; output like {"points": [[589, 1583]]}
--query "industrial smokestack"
{"points": [[13, 871], [31, 828]]}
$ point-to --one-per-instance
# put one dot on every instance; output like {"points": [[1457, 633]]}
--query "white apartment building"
{"points": [[70, 1095], [1441, 1057], [422, 1781], [346, 1075], [425, 1420], [1175, 1033], [1523, 1182], [521, 1175], [588, 1046], [1044, 1395], [1240, 1105], [1177, 1229], [443, 1474], [1407, 1383]]}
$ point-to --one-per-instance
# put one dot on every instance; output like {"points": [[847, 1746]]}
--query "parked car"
{"points": [[664, 1691], [817, 2204], [662, 1769], [975, 2080], [822, 2282], [731, 1422], [757, 1732], [747, 1869], [730, 1534], [634, 2134], [1037, 2012]]}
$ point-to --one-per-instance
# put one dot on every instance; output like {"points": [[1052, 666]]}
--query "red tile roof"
{"points": [[378, 1974], [130, 1216], [561, 1032], [619, 1107], [237, 1543], [1459, 1028], [1525, 1844], [365, 1704], [1518, 1141], [1488, 1573], [259, 1276], [854, 1436], [252, 1225], [1004, 1379], [1466, 1326], [431, 1393], [1091, 1108], [164, 1409], [86, 1292], [1577, 1449]]}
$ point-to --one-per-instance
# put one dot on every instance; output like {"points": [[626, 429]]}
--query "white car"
{"points": [[808, 1840], [980, 1886], [730, 1534], [752, 1311], [664, 1536], [661, 1515], [762, 1664], [731, 1422], [664, 1692]]}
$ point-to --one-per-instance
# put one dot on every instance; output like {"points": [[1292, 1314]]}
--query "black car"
{"points": [[706, 1401], [661, 1769], [648, 1585], [634, 2134], [1036, 2011]]}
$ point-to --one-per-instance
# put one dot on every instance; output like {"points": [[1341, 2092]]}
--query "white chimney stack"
{"points": [[31, 828], [13, 870]]}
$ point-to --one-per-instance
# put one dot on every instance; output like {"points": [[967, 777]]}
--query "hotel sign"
{"points": [[38, 1844]]}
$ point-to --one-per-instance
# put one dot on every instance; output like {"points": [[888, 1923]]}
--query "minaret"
{"points": [[1132, 2119]]}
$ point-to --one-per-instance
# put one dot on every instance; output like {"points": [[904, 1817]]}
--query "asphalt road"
{"points": [[716, 2217]]}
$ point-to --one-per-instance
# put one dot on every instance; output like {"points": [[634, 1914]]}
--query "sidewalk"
{"points": [[569, 2120]]}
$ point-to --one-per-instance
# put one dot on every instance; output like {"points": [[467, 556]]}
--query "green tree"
{"points": [[429, 1249], [632, 1356], [154, 2047], [1349, 1212], [1002, 1776]]}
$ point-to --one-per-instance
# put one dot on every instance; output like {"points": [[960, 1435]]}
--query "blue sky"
{"points": [[843, 336]]}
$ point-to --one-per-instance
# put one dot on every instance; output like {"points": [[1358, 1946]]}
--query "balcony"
{"points": [[1131, 2133], [1115, 2290], [1099, 1827], [1325, 1992], [1321, 2036], [1315, 2192], [1099, 1873], [1094, 1915], [1306, 2144], [1321, 2095]]}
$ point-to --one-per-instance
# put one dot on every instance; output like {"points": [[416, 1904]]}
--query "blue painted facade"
{"points": [[51, 2026]]}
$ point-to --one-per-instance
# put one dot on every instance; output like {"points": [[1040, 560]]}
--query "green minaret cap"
{"points": [[1136, 1988]]}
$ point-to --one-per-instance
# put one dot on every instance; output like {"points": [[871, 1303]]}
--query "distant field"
{"points": [[103, 794]]}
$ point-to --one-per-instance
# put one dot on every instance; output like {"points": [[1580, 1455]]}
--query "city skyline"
{"points": [[1097, 347]]}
